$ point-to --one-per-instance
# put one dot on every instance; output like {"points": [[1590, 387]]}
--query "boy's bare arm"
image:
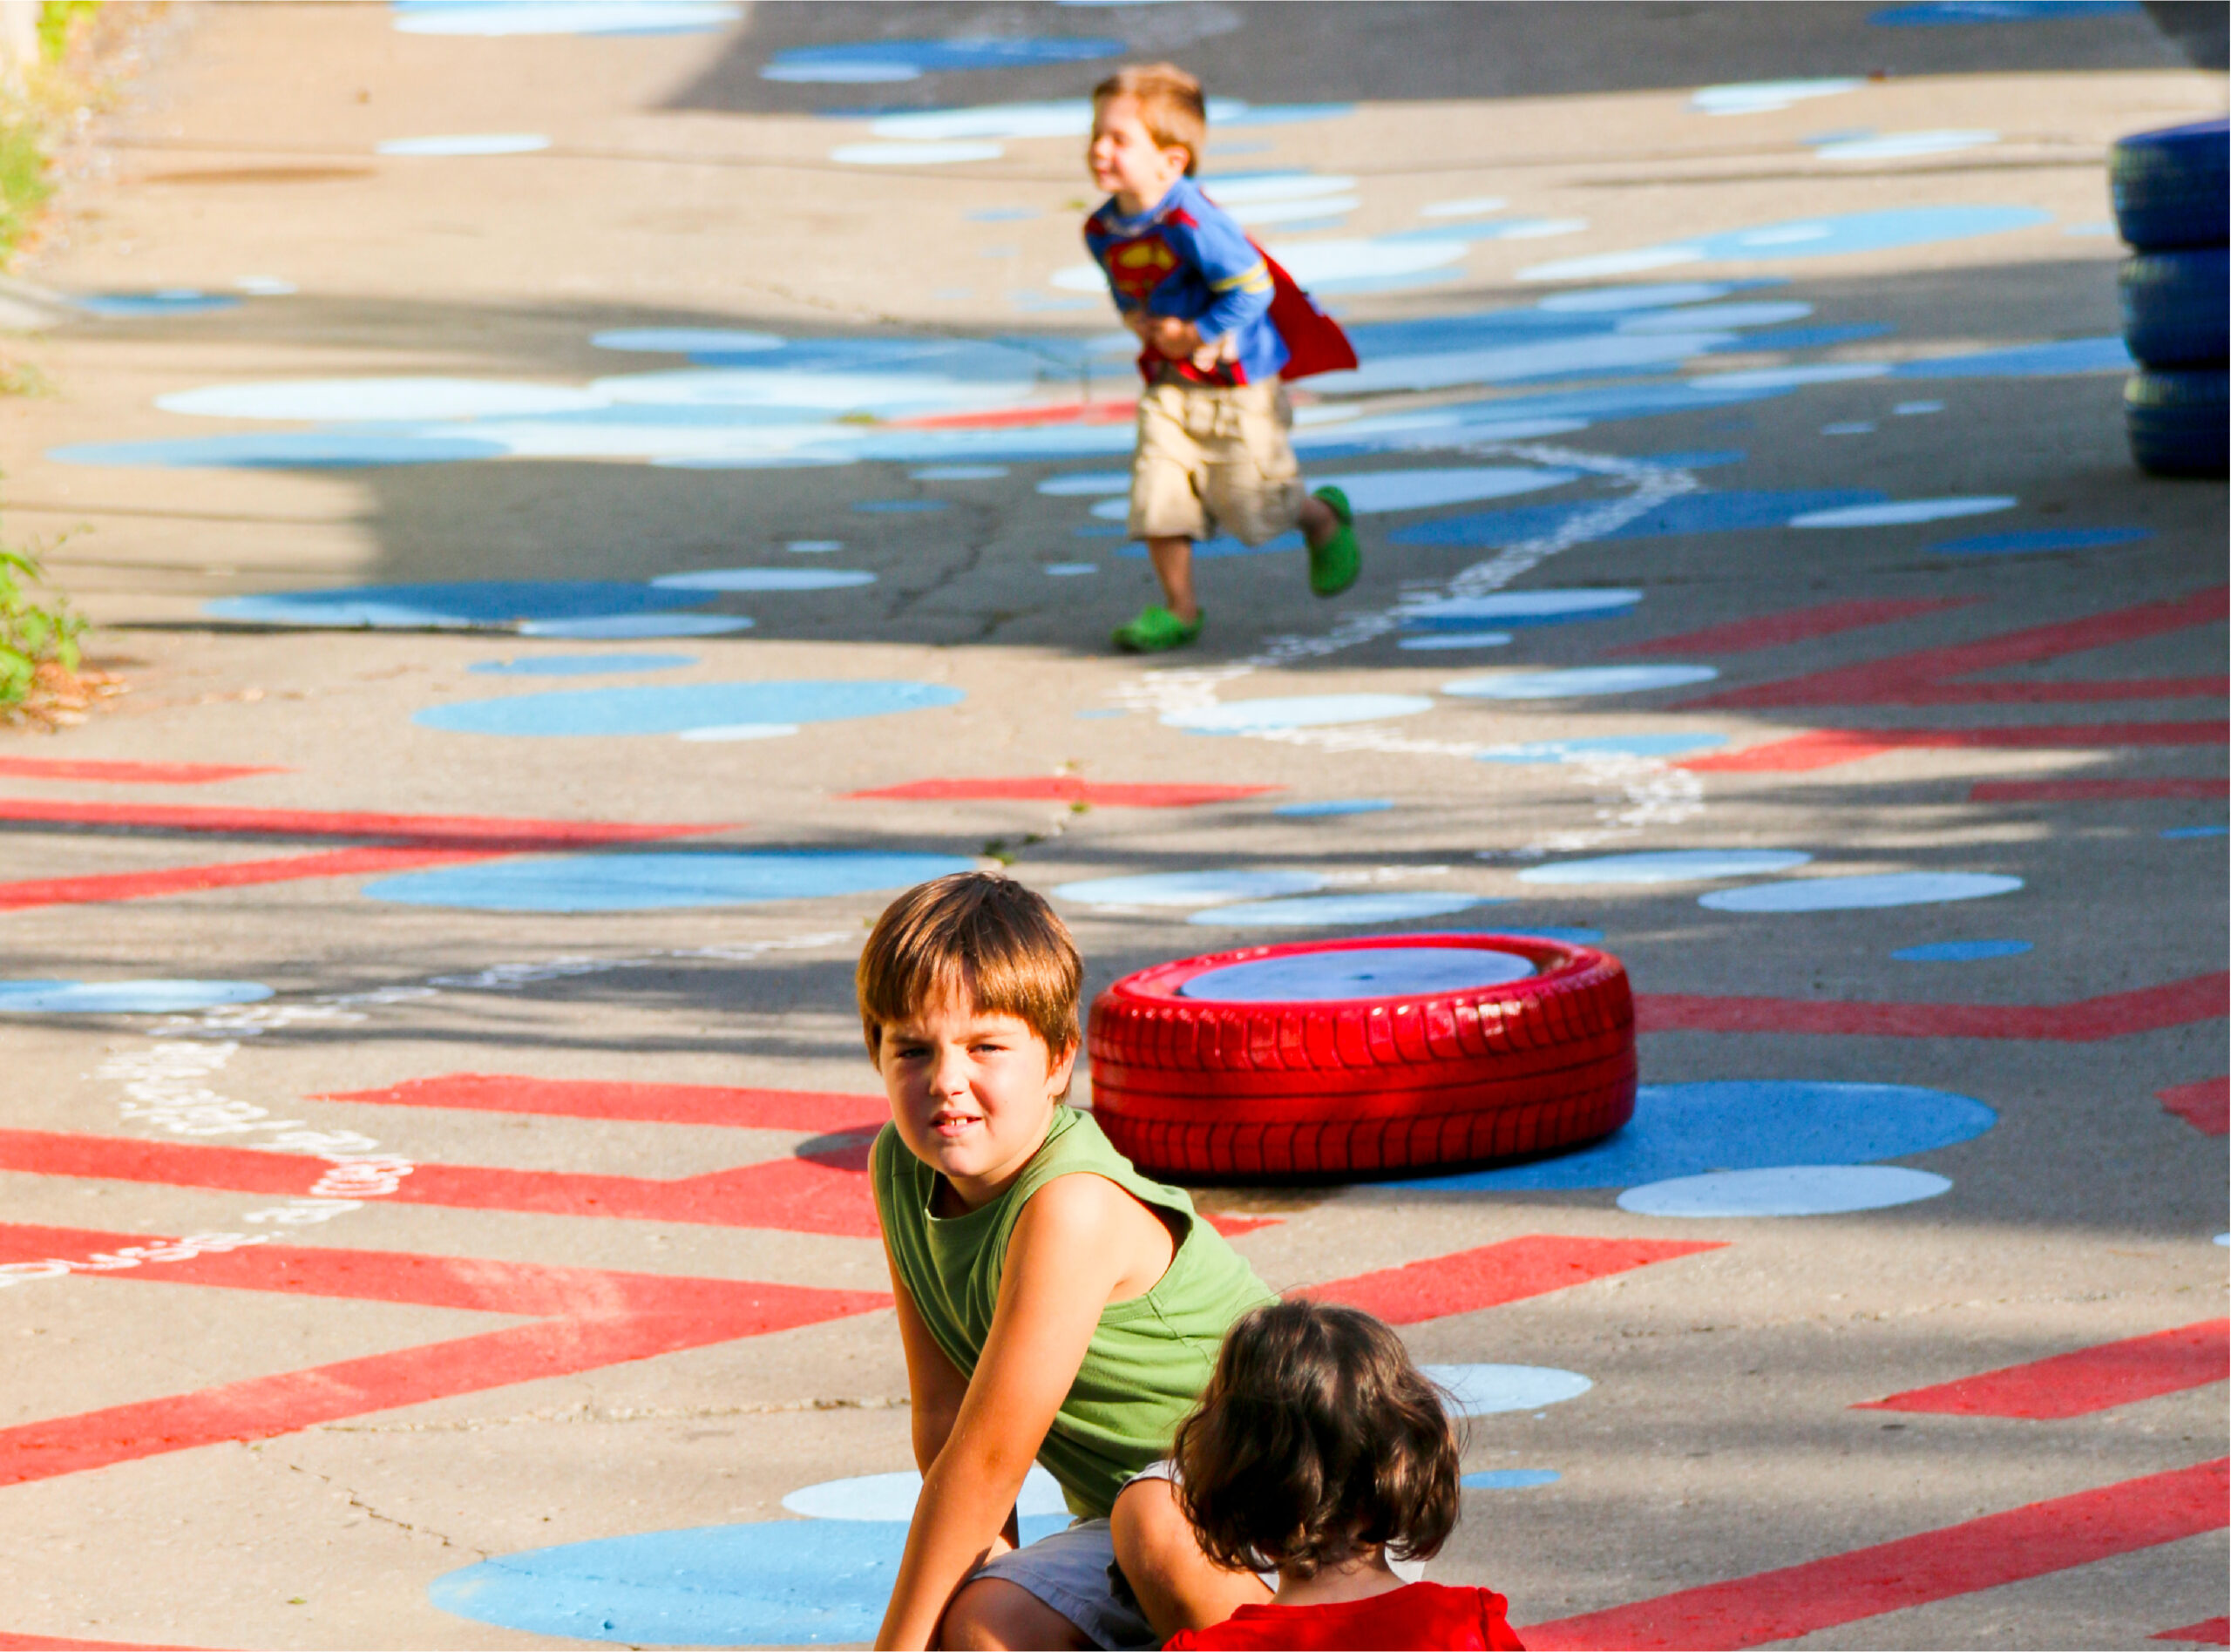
{"points": [[934, 1385], [1069, 1249]]}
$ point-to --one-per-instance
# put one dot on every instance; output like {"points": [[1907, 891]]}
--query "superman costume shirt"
{"points": [[1186, 257]]}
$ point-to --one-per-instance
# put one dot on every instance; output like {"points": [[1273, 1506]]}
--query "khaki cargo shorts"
{"points": [[1215, 455]]}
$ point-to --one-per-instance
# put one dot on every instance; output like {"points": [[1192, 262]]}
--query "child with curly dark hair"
{"points": [[1320, 1449]]}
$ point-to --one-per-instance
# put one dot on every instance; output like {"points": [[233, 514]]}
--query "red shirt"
{"points": [[1425, 1616]]}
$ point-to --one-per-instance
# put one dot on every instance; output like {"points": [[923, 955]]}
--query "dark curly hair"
{"points": [[1316, 1435]]}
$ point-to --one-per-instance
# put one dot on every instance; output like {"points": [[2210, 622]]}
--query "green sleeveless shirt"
{"points": [[1150, 1357]]}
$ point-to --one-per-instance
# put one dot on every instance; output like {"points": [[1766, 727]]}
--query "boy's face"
{"points": [[971, 1093], [1125, 159]]}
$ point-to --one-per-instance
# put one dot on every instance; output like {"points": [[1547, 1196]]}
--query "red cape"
{"points": [[1314, 341]]}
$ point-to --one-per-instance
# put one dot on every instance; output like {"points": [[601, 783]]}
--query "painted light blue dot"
{"points": [[468, 143], [283, 450], [899, 507], [632, 883], [813, 547], [464, 604], [1941, 14], [1484, 1390], [1579, 682], [2034, 539], [765, 579], [1519, 608], [1329, 912], [773, 1583], [688, 341], [1334, 806], [1188, 888], [1916, 409], [1785, 1190], [169, 300], [1298, 711], [1510, 1479], [1070, 569], [620, 628], [670, 709], [1095, 485], [2222, 1239], [1960, 951], [1849, 427], [581, 664], [1222, 545], [1002, 214], [1688, 1129], [1667, 866], [1349, 973], [1854, 894], [958, 473], [2195, 831], [892, 1497], [1569, 935], [1565, 751], [1443, 641], [124, 998]]}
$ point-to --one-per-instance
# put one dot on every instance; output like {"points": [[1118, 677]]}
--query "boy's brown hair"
{"points": [[976, 936], [1172, 107], [1315, 1436]]}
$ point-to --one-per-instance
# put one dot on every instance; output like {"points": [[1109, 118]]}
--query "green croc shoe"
{"points": [[1334, 565], [1155, 630]]}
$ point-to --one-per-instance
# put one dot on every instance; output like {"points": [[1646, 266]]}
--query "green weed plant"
{"points": [[33, 631]]}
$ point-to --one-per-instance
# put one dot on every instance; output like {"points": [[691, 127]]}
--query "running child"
{"points": [[1320, 1449], [1053, 1303], [1219, 325]]}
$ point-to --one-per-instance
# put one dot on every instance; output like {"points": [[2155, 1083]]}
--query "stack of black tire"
{"points": [[2172, 204]]}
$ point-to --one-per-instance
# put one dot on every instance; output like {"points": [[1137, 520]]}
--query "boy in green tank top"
{"points": [[1054, 1304]]}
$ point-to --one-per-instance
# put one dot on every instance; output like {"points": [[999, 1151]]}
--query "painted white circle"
{"points": [[891, 1497], [1189, 889], [1482, 1390], [1667, 866], [686, 341], [124, 998], [1291, 186], [738, 731], [1505, 607], [1574, 684], [1902, 511], [1785, 1190], [379, 399], [468, 143], [1852, 894], [1371, 493], [927, 154], [765, 579], [1347, 974], [1298, 711], [1664, 295], [1455, 639]]}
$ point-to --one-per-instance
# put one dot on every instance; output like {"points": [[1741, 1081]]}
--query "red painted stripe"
{"points": [[181, 880], [649, 1103], [124, 773], [2215, 1631], [448, 831], [1998, 1549], [2202, 998], [1925, 677], [2091, 1379], [1062, 789], [1007, 418], [1510, 1271], [2205, 1105], [1826, 748], [827, 1194], [1232, 1227], [2092, 791], [1777, 630]]}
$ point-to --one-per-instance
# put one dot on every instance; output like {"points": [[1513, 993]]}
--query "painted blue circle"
{"points": [[1940, 14], [1959, 951], [1578, 681], [622, 628], [961, 472], [1484, 1390], [1357, 972], [867, 62], [1510, 1479], [1188, 888], [579, 665], [2031, 540], [123, 997], [1854, 894], [633, 883], [467, 603], [1688, 1129], [1785, 1190], [1667, 866], [1560, 751], [2195, 831], [170, 301], [1325, 911], [1334, 806], [671, 708], [773, 1583]]}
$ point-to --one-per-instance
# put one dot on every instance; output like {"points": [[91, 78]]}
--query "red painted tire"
{"points": [[1245, 1090]]}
